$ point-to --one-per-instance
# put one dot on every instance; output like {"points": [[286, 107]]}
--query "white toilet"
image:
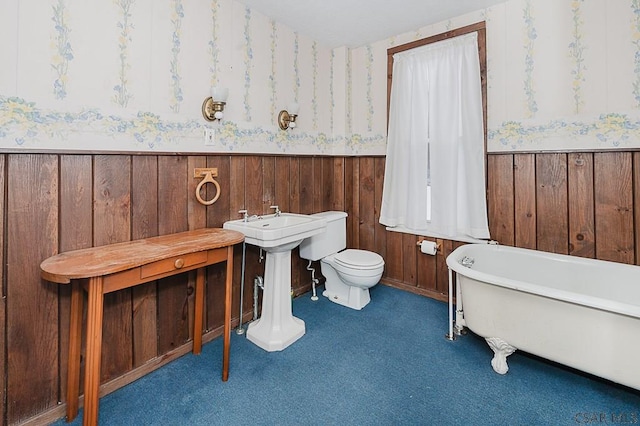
{"points": [[349, 273]]}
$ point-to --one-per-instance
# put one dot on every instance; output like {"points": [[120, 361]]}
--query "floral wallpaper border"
{"points": [[606, 131], [24, 125]]}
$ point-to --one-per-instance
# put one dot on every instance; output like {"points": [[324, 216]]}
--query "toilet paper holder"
{"points": [[438, 245]]}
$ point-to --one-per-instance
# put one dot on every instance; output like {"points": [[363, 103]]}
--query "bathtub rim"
{"points": [[609, 305]]}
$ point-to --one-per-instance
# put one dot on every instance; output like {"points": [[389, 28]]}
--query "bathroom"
{"points": [[110, 172]]}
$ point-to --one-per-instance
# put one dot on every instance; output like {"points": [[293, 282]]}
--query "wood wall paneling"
{"points": [[76, 232], [316, 166], [586, 204], [268, 184], [636, 203], [112, 224], [394, 265], [380, 231], [282, 178], [613, 178], [366, 186], [427, 269], [409, 254], [354, 207], [236, 184], [552, 207], [144, 224], [327, 184], [197, 217], [338, 184], [173, 292], [307, 199], [442, 276], [349, 199], [3, 294], [254, 204], [581, 205], [500, 198], [524, 177], [306, 185], [294, 184], [216, 215], [31, 305], [294, 206]]}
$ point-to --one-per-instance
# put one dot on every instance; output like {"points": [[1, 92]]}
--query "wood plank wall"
{"points": [[61, 202], [584, 204]]}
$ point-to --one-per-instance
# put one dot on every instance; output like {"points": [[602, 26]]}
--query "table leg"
{"points": [[75, 343], [227, 315], [198, 314], [94, 349]]}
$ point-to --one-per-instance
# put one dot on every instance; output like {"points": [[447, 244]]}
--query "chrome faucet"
{"points": [[277, 212], [246, 217], [467, 261]]}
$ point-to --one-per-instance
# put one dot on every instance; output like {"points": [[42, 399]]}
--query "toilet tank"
{"points": [[332, 240]]}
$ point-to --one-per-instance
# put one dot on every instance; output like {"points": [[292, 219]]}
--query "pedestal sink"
{"points": [[277, 234]]}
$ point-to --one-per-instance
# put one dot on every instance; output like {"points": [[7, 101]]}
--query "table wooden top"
{"points": [[112, 258]]}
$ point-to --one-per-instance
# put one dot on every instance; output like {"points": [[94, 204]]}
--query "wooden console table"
{"points": [[118, 266]]}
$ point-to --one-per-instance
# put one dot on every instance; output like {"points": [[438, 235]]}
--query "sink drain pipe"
{"points": [[258, 283], [314, 282], [240, 330]]}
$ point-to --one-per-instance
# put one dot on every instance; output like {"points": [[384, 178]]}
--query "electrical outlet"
{"points": [[209, 136]]}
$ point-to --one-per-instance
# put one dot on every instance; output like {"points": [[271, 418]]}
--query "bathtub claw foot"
{"points": [[501, 350]]}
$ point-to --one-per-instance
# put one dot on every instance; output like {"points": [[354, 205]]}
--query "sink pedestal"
{"points": [[277, 328]]}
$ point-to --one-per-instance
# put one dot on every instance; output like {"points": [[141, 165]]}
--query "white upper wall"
{"points": [[562, 75], [132, 74]]}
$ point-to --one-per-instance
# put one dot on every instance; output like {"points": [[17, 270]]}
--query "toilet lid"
{"points": [[361, 259]]}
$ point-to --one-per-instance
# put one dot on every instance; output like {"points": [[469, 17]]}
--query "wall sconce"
{"points": [[287, 119], [213, 106]]}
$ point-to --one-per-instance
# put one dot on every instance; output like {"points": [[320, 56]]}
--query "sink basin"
{"points": [[273, 232]]}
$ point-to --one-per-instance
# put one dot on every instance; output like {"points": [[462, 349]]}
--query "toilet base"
{"points": [[351, 297], [336, 290]]}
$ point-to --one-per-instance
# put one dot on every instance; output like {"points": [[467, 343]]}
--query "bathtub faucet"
{"points": [[467, 261]]}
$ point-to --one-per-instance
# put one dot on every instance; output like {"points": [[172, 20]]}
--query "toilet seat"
{"points": [[359, 259]]}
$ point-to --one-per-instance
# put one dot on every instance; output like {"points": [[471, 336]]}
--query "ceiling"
{"points": [[354, 23]]}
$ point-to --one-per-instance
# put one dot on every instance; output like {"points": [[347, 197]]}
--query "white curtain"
{"points": [[434, 181]]}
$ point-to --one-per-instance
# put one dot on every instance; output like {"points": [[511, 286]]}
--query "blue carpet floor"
{"points": [[388, 364]]}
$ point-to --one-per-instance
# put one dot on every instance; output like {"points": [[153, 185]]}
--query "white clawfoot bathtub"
{"points": [[579, 312]]}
